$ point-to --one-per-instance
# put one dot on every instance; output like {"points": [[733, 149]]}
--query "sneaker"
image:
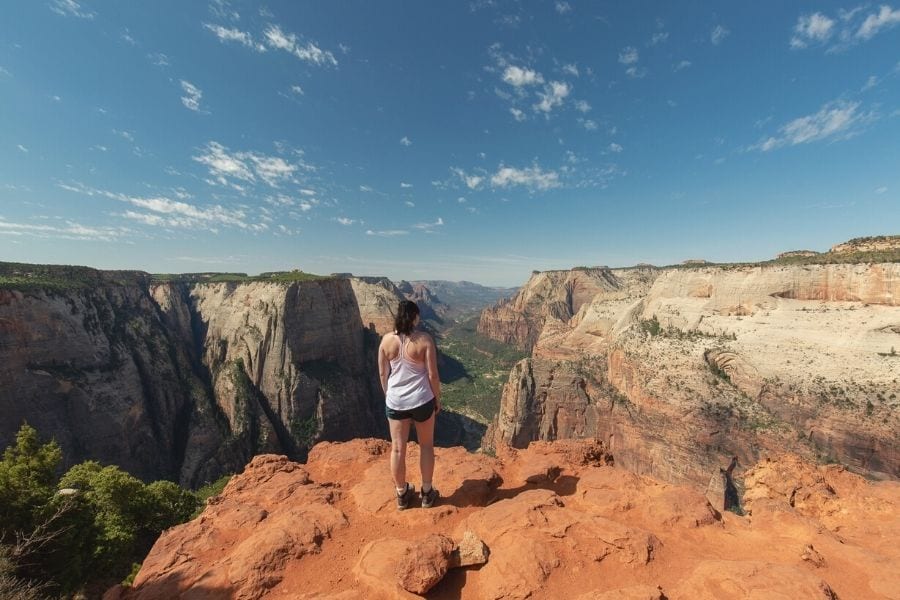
{"points": [[430, 497], [405, 498]]}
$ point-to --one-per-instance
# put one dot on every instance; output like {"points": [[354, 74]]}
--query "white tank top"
{"points": [[408, 386]]}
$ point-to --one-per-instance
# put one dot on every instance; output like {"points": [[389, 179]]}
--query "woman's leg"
{"points": [[399, 435], [425, 434]]}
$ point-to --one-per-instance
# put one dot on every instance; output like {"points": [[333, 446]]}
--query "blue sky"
{"points": [[467, 140]]}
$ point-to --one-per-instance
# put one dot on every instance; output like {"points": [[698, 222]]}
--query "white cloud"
{"points": [[718, 35], [5, 72], [461, 200], [552, 96], [533, 178], [472, 181], [278, 39], [127, 135], [571, 69], [885, 18], [22, 148], [429, 226], [345, 221], [70, 8], [588, 124], [410, 203], [614, 147], [563, 7], [366, 188], [159, 59], [246, 166], [519, 77], [307, 205], [405, 141], [681, 65], [222, 9], [836, 120], [231, 34], [386, 233], [296, 89], [582, 106], [518, 115], [193, 94], [126, 35], [70, 231], [881, 190], [659, 37], [812, 28], [405, 185], [629, 55]]}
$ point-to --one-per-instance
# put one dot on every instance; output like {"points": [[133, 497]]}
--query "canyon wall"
{"points": [[677, 370], [187, 381]]}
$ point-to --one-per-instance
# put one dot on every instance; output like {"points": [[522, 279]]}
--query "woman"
{"points": [[407, 364]]}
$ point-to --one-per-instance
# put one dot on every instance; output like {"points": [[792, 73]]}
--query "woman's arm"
{"points": [[433, 377], [384, 366]]}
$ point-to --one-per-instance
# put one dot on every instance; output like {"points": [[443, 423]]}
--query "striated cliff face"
{"points": [[377, 298], [187, 381], [710, 362], [556, 296]]}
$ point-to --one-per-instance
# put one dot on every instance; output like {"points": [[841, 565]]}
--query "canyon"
{"points": [[679, 369]]}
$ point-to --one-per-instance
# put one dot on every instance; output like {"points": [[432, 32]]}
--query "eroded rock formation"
{"points": [[186, 381], [680, 369], [558, 522]]}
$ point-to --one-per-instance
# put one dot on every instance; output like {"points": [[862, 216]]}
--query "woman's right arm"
{"points": [[433, 377]]}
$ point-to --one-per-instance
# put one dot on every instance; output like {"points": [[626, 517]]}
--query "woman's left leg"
{"points": [[399, 435]]}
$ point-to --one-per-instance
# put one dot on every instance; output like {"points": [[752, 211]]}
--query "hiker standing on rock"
{"points": [[407, 365]]}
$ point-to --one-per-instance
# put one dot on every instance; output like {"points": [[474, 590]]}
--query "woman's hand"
{"points": [[437, 405]]}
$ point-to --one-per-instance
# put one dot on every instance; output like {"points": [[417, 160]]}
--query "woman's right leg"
{"points": [[399, 436]]}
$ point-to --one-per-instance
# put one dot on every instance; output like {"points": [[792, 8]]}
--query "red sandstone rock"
{"points": [[328, 529], [425, 563]]}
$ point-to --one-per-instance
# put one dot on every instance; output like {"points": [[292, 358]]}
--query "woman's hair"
{"points": [[405, 320]]}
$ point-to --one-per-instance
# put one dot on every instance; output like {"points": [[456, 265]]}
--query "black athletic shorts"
{"points": [[419, 414]]}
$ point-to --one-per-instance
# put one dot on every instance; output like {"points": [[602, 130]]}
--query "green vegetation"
{"points": [[61, 278], [653, 327], [82, 532], [473, 370]]}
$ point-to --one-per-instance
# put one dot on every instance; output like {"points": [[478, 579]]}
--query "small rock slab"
{"points": [[425, 563]]}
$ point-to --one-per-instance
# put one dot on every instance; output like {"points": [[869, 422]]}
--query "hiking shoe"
{"points": [[405, 498], [430, 497]]}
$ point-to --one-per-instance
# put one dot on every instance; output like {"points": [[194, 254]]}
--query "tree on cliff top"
{"points": [[87, 527]]}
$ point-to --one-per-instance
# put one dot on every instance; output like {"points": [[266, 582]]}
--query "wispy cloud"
{"points": [[472, 181], [193, 94], [563, 7], [814, 28], [614, 147], [582, 106], [533, 178], [158, 59], [71, 8], [571, 69], [231, 34], [248, 167], [552, 96], [5, 72], [297, 90], [346, 221], [386, 232], [836, 120], [881, 189], [519, 77], [629, 56], [518, 114], [405, 185], [405, 141], [309, 52], [718, 34], [684, 64], [429, 226], [22, 148], [366, 189], [71, 230], [659, 37], [166, 212], [885, 18]]}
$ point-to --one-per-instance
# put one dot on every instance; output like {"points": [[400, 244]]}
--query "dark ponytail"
{"points": [[405, 320]]}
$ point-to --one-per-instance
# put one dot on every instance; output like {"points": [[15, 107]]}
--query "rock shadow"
{"points": [[481, 492], [451, 586], [168, 586]]}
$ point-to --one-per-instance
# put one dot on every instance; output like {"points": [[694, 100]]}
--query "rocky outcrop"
{"points": [[187, 381], [556, 296], [377, 298], [557, 519], [706, 363], [878, 243]]}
